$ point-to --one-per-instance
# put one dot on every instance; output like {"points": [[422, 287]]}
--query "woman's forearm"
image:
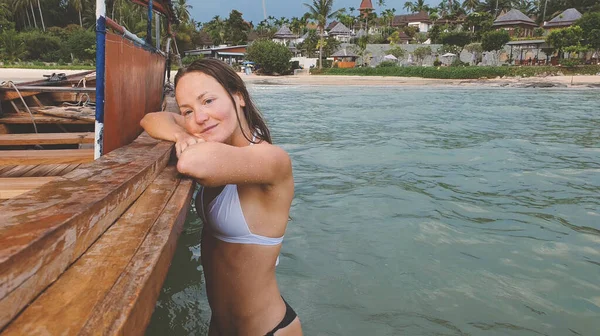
{"points": [[162, 125]]}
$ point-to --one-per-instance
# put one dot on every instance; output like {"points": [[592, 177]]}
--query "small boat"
{"points": [[91, 207]]}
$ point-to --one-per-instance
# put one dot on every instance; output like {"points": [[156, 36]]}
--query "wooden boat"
{"points": [[85, 242]]}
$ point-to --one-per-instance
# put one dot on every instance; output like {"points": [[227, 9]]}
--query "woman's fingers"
{"points": [[185, 143]]}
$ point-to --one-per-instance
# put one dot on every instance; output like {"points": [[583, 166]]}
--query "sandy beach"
{"points": [[23, 75]]}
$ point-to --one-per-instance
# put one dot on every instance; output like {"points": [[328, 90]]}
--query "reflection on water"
{"points": [[428, 211]]}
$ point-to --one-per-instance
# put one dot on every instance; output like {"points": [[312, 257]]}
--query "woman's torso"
{"points": [[240, 278]]}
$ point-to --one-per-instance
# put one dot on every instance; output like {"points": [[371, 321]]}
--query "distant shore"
{"points": [[577, 81], [549, 81]]}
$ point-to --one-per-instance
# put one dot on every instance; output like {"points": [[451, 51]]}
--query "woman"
{"points": [[223, 142]]}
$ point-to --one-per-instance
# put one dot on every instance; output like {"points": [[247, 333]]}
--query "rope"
{"points": [[10, 83]]}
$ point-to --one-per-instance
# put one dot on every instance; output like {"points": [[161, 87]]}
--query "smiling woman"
{"points": [[223, 142]]}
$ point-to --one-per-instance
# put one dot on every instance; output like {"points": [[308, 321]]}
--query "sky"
{"points": [[205, 10]]}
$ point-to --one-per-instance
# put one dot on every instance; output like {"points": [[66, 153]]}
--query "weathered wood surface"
{"points": [[69, 112], [43, 231], [137, 290], [46, 139], [47, 156], [70, 96], [123, 267], [37, 170], [14, 186], [25, 118]]}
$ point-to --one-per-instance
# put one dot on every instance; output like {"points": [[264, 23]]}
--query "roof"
{"points": [[514, 17], [366, 4], [340, 29], [524, 42], [565, 18], [331, 25], [406, 18], [285, 32], [344, 53]]}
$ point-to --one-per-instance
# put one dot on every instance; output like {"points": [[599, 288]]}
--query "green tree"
{"points": [[271, 57], [478, 23], [590, 24], [421, 53], [397, 51], [562, 38], [236, 29], [459, 39], [321, 11], [12, 47], [495, 41]]}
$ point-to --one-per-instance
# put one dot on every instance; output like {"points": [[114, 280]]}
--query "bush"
{"points": [[187, 60], [387, 64], [461, 72], [81, 43], [12, 47], [41, 47], [437, 62], [271, 57]]}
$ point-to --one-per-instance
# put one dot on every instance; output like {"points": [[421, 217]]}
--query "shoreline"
{"points": [[576, 81]]}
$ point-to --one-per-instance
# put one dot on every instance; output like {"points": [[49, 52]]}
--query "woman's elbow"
{"points": [[187, 165]]}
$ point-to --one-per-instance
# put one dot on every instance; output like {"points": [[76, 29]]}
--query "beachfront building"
{"points": [[341, 33], [420, 20], [563, 20], [516, 23], [228, 54], [366, 6], [344, 59], [284, 36]]}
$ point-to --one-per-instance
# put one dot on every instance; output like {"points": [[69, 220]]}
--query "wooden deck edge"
{"points": [[56, 223], [137, 290], [67, 304]]}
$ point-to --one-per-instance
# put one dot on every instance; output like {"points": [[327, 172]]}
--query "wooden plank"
{"points": [[70, 96], [14, 186], [4, 129], [25, 118], [37, 101], [70, 112], [39, 89], [47, 156], [43, 231], [46, 139], [137, 289], [65, 307]]}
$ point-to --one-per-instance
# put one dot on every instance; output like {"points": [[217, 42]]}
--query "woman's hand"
{"points": [[184, 141]]}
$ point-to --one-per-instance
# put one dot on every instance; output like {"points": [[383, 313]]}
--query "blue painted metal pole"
{"points": [[149, 30], [100, 76]]}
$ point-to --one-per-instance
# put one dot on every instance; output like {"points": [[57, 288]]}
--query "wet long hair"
{"points": [[231, 81]]}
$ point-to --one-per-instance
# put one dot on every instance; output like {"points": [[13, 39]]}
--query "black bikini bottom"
{"points": [[290, 315]]}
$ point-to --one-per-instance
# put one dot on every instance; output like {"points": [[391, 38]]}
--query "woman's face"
{"points": [[207, 108]]}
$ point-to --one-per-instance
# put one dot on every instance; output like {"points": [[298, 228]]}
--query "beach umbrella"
{"points": [[448, 55], [390, 58]]}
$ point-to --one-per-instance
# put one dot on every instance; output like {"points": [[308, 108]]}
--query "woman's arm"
{"points": [[215, 164], [164, 125]]}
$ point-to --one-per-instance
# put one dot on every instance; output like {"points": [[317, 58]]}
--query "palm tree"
{"points": [[470, 5], [182, 10], [320, 11], [41, 16], [78, 4], [417, 6]]}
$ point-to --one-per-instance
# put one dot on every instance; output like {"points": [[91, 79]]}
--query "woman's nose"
{"points": [[200, 117]]}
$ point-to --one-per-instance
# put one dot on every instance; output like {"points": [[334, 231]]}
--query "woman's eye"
{"points": [[208, 101], [187, 112]]}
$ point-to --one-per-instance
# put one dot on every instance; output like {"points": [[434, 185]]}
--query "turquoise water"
{"points": [[428, 211]]}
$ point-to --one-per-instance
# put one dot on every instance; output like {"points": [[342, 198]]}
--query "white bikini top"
{"points": [[226, 221]]}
